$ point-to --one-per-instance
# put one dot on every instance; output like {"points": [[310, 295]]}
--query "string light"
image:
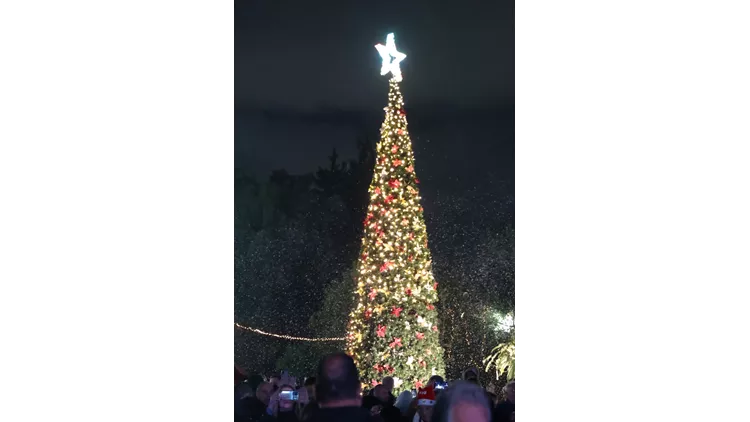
{"points": [[286, 337]]}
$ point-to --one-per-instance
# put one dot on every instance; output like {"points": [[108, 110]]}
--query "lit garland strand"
{"points": [[286, 337]]}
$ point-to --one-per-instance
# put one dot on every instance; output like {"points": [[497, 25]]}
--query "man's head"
{"points": [[462, 402], [264, 391], [275, 380], [381, 393], [425, 401], [310, 387], [509, 391], [337, 383], [433, 379], [471, 375], [388, 384]]}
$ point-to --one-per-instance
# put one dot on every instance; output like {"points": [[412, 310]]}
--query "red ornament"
{"points": [[418, 384], [397, 162], [394, 149], [394, 183], [408, 292], [396, 312], [368, 314], [364, 257], [378, 367], [383, 160], [421, 209], [396, 343], [374, 383], [420, 336], [402, 112], [368, 218], [411, 236], [373, 294], [434, 286], [381, 331], [410, 169], [411, 258], [383, 211], [416, 181], [390, 369], [387, 265], [434, 328], [430, 307], [377, 191], [389, 199], [400, 131]]}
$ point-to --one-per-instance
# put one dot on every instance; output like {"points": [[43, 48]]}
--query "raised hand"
{"points": [[303, 397]]}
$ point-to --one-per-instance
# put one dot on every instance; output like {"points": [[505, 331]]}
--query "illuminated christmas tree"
{"points": [[393, 327]]}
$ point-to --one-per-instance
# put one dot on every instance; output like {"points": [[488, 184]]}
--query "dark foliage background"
{"points": [[297, 238]]}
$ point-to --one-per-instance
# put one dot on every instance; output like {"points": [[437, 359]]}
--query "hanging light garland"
{"points": [[286, 337]]}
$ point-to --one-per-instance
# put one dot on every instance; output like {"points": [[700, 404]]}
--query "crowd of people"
{"points": [[335, 394]]}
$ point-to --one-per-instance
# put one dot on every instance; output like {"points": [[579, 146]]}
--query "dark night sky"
{"points": [[307, 79]]}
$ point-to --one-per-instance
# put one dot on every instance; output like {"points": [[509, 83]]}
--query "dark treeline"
{"points": [[297, 238]]}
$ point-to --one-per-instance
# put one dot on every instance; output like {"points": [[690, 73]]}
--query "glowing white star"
{"points": [[391, 58]]}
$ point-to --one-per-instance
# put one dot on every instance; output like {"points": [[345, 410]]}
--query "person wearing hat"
{"points": [[411, 413], [425, 401]]}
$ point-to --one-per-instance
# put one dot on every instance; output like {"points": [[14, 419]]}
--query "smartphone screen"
{"points": [[289, 395]]}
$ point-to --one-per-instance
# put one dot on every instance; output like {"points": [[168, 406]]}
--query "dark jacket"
{"points": [[309, 410], [281, 417], [391, 414], [388, 412], [369, 401], [503, 411], [342, 414], [284, 417], [249, 410]]}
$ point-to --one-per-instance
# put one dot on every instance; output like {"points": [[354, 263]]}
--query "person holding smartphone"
{"points": [[281, 406]]}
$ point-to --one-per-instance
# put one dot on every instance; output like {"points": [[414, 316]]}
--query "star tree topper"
{"points": [[391, 58]]}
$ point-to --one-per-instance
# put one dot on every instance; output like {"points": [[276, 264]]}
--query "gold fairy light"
{"points": [[287, 337]]}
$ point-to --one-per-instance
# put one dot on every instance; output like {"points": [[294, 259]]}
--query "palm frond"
{"points": [[502, 358]]}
